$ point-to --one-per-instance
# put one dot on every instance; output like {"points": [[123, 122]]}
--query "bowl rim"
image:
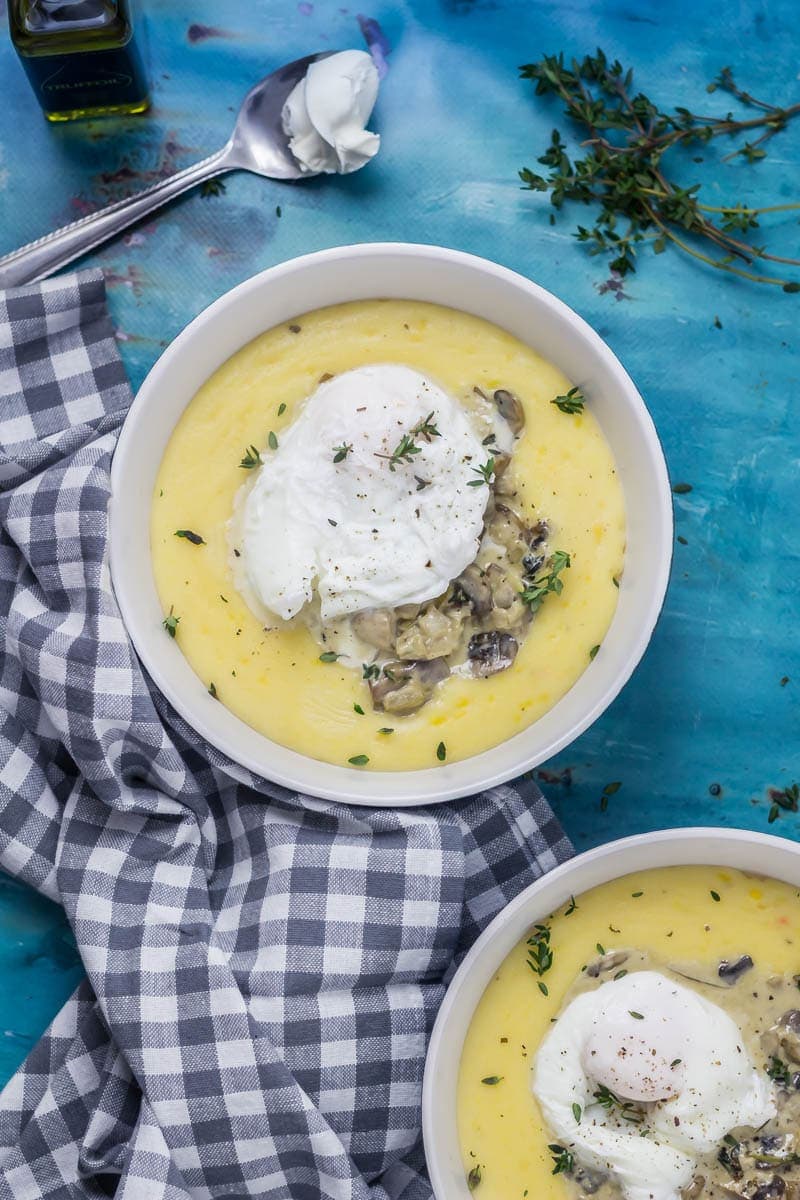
{"points": [[719, 840], [422, 786]]}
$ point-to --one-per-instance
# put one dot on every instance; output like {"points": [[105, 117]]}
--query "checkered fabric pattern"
{"points": [[263, 968]]}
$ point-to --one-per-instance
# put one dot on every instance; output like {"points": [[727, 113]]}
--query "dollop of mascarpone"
{"points": [[325, 115], [359, 533]]}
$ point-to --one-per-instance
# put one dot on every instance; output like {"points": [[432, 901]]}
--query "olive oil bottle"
{"points": [[80, 56]]}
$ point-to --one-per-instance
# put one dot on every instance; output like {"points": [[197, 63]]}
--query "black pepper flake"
{"points": [[294, 328]]}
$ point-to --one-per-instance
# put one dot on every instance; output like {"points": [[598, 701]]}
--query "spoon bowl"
{"points": [[258, 142]]}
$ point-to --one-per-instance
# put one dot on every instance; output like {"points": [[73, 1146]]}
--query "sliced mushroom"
{"points": [[783, 1039], [507, 530], [693, 1189], [532, 563], [607, 962], [773, 1190], [491, 652], [771, 1151], [539, 534], [731, 972], [434, 634], [473, 583], [503, 482], [508, 614], [405, 686], [377, 626], [503, 591], [588, 1181], [510, 408]]}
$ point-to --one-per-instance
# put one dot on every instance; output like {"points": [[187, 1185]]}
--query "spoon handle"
{"points": [[48, 254]]}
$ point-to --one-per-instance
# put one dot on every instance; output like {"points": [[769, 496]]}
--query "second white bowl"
{"points": [[765, 855]]}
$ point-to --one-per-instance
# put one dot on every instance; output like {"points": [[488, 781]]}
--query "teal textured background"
{"points": [[707, 707]]}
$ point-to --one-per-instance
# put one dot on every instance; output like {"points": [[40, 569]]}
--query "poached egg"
{"points": [[676, 1071], [325, 114], [331, 515]]}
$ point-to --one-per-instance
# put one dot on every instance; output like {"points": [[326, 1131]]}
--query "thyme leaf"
{"points": [[779, 1072], [170, 622], [190, 536], [484, 473], [251, 458]]}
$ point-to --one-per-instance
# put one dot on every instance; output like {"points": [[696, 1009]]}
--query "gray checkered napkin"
{"points": [[262, 968]]}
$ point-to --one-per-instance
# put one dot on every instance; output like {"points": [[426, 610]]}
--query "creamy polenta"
{"points": [[270, 673], [733, 938]]}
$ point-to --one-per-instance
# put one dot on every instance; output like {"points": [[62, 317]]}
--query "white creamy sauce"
{"points": [[326, 114], [328, 539], [676, 1058]]}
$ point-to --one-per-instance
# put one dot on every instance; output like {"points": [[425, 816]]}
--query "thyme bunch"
{"points": [[622, 175]]}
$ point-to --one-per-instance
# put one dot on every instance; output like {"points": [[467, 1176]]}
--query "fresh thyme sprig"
{"points": [[610, 1102], [340, 453], [572, 403], [535, 590], [252, 458], [407, 447], [623, 177], [484, 473], [540, 955], [563, 1159]]}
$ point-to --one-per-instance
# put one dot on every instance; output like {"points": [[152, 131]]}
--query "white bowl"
{"points": [[445, 277], [740, 848]]}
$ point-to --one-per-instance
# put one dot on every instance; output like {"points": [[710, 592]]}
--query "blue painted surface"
{"points": [[707, 705]]}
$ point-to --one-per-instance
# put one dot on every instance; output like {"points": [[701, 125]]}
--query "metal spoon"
{"points": [[257, 144]]}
